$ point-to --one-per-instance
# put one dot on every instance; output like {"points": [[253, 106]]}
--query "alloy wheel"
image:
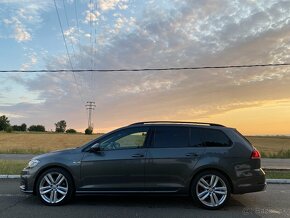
{"points": [[211, 190], [53, 187]]}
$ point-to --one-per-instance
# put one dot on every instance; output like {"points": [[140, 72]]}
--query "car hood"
{"points": [[57, 152]]}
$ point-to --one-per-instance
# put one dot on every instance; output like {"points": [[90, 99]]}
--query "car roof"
{"points": [[176, 123]]}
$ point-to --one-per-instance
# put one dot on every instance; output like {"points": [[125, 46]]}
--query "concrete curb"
{"points": [[275, 169], [9, 176], [269, 181], [278, 181]]}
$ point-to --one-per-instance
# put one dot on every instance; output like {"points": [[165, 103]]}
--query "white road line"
{"points": [[278, 181], [13, 195], [9, 176]]}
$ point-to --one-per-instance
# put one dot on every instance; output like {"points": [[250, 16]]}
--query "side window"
{"points": [[209, 138], [124, 139], [196, 137], [171, 136]]}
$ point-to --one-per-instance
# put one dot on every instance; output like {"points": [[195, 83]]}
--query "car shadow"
{"points": [[145, 201], [163, 202]]}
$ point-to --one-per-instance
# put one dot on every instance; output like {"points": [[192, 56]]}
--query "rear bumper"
{"points": [[250, 188], [254, 182]]}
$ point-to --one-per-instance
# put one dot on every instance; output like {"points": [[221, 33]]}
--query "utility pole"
{"points": [[90, 106]]}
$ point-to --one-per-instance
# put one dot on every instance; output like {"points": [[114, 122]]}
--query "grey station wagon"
{"points": [[206, 161]]}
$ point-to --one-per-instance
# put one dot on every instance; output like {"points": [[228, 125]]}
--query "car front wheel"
{"points": [[211, 189], [54, 187]]}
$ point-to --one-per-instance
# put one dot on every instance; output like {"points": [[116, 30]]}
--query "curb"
{"points": [[269, 181], [9, 176], [278, 181], [275, 169]]}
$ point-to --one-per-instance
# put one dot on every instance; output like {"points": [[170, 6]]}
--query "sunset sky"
{"points": [[113, 34]]}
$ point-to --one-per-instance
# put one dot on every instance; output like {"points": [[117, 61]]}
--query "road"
{"points": [[275, 202], [266, 162], [16, 156], [276, 163]]}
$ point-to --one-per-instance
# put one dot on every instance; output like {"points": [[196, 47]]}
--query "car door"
{"points": [[119, 165], [170, 159]]}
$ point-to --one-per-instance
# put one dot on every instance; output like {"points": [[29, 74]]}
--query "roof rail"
{"points": [[173, 122]]}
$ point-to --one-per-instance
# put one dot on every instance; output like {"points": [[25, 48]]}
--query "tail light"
{"points": [[255, 154]]}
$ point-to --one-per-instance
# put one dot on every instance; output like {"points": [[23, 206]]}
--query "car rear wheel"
{"points": [[211, 190], [54, 187]]}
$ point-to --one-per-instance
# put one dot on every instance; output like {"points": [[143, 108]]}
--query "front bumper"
{"points": [[26, 182], [254, 182]]}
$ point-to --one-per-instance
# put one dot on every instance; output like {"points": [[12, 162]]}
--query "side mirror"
{"points": [[96, 148]]}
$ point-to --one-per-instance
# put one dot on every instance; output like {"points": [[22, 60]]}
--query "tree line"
{"points": [[60, 127]]}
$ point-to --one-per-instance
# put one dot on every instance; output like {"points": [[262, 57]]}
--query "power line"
{"points": [[67, 52], [147, 69], [78, 34], [72, 43], [92, 6], [67, 23], [77, 24], [95, 42], [77, 21], [91, 45]]}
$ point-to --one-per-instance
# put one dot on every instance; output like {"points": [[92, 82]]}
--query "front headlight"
{"points": [[32, 163]]}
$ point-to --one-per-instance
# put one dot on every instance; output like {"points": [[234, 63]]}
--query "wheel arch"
{"points": [[45, 168], [211, 168]]}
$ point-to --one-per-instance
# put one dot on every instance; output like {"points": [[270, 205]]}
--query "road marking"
{"points": [[13, 195], [9, 176], [274, 211]]}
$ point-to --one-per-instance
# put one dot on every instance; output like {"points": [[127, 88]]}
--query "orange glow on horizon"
{"points": [[270, 118]]}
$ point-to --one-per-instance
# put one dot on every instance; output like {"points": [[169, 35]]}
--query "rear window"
{"points": [[203, 137], [242, 138], [171, 136]]}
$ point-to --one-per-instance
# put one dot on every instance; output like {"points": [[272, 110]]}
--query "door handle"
{"points": [[137, 155], [191, 155]]}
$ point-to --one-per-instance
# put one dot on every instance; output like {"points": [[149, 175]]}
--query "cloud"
{"points": [[22, 14], [106, 5], [175, 34], [32, 60], [92, 16], [21, 34], [72, 35]]}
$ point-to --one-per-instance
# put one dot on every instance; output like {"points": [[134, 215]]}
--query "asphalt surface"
{"points": [[16, 156], [274, 163], [274, 202]]}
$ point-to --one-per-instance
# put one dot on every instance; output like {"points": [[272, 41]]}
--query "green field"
{"points": [[278, 174], [37, 143], [12, 167]]}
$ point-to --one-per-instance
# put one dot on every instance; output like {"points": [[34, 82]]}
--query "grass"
{"points": [[278, 174], [279, 154], [37, 143], [12, 167]]}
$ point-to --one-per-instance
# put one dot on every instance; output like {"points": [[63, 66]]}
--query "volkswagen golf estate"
{"points": [[206, 161]]}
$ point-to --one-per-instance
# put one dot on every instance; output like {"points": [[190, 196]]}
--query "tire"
{"points": [[210, 189], [55, 187]]}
